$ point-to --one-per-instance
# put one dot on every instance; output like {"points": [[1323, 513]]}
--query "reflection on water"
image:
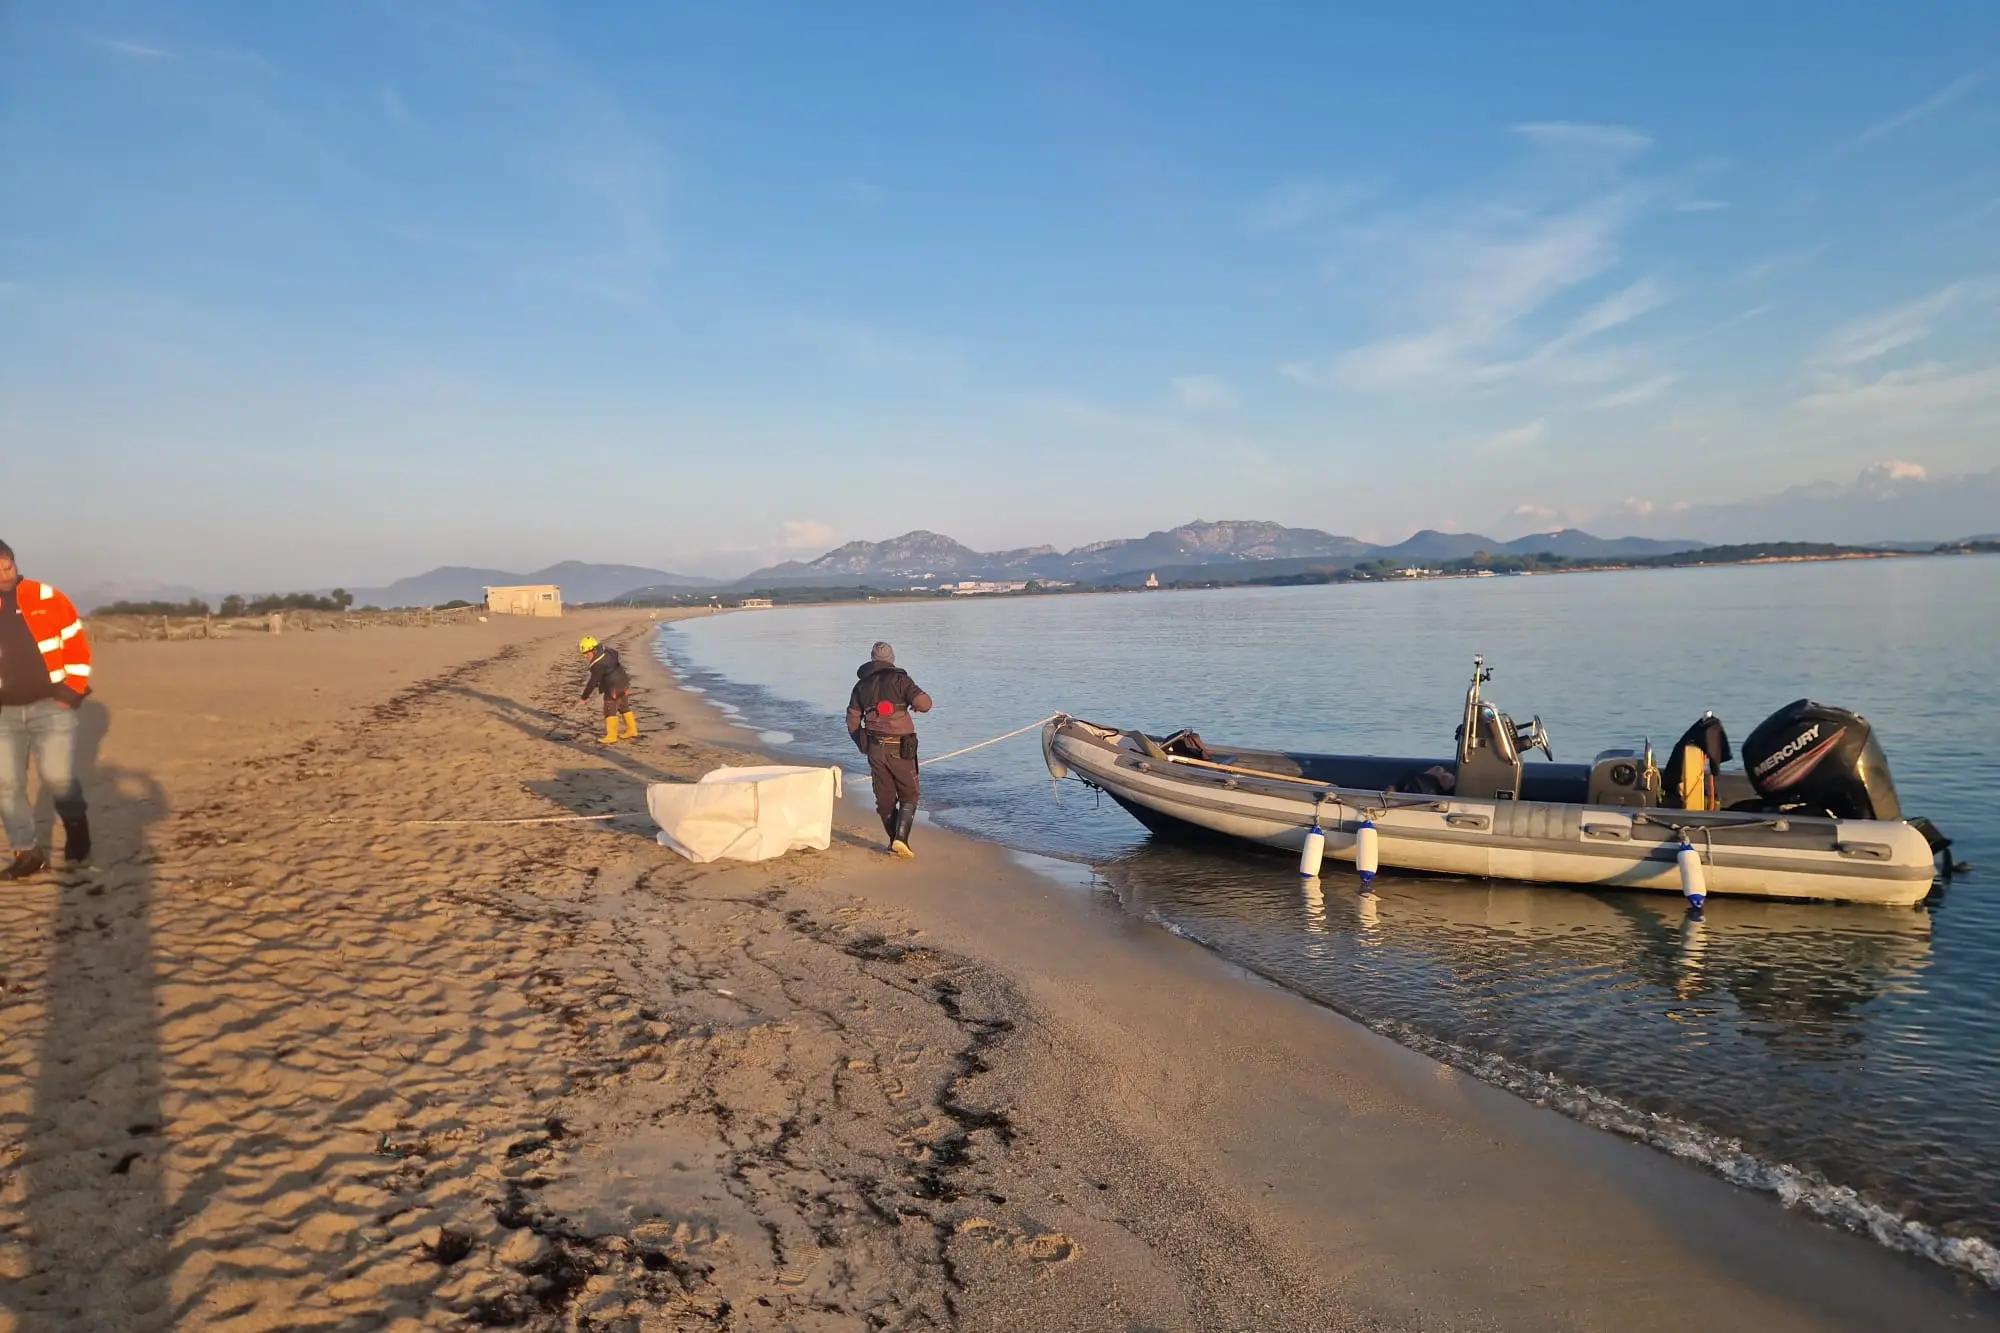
{"points": [[1795, 1009]]}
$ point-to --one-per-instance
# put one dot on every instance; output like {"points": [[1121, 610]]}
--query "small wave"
{"points": [[1795, 1187], [776, 737], [693, 689]]}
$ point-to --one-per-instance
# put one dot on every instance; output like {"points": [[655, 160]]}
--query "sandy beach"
{"points": [[289, 1058]]}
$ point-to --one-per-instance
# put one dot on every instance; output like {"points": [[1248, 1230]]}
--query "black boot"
{"points": [[899, 837], [76, 839], [889, 822], [26, 865]]}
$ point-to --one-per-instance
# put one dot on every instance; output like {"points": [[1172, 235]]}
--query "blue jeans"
{"points": [[47, 731]]}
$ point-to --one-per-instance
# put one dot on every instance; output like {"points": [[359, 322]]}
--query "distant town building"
{"points": [[984, 588], [756, 604], [1152, 580], [530, 599]]}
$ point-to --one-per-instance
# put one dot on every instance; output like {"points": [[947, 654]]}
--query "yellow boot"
{"points": [[631, 726], [610, 736]]}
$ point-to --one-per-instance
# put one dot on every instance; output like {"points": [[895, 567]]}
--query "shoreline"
{"points": [[1801, 1189], [312, 1061]]}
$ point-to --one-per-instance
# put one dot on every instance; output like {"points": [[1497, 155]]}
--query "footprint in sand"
{"points": [[1051, 1247]]}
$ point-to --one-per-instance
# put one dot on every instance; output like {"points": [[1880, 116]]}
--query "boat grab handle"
{"points": [[1873, 851], [1464, 819], [1616, 832]]}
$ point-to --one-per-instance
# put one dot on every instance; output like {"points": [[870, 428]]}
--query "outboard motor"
{"points": [[1823, 759]]}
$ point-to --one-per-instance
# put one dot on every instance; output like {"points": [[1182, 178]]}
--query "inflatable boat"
{"points": [[1813, 814]]}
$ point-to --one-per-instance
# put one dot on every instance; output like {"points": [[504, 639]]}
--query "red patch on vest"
{"points": [[884, 708]]}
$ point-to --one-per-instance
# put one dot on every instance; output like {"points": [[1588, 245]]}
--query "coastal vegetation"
{"points": [[235, 604]]}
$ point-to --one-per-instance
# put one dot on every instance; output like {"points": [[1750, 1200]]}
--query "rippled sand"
{"points": [[285, 1060]]}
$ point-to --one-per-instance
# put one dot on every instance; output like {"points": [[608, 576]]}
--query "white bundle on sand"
{"points": [[746, 814]]}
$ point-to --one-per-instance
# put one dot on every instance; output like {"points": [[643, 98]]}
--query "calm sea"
{"points": [[1847, 1058]]}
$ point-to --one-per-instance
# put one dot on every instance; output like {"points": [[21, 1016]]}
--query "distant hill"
{"points": [[88, 597], [922, 558], [580, 582], [917, 556]]}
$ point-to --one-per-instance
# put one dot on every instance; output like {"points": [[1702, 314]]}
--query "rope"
{"points": [[583, 819], [1040, 721], [461, 823]]}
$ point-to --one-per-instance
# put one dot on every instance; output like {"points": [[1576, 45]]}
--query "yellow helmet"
{"points": [[589, 645]]}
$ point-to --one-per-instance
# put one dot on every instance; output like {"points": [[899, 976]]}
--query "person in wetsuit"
{"points": [[880, 724]]}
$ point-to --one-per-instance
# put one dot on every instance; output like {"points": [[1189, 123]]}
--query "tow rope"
{"points": [[621, 814]]}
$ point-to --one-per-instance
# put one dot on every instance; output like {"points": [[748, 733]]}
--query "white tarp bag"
{"points": [[746, 814]]}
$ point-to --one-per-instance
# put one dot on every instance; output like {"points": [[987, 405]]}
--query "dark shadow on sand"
{"points": [[98, 1227]]}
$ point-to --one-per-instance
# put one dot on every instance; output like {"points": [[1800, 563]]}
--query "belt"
{"points": [[890, 736]]}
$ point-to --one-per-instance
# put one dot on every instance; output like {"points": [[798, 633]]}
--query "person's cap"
{"points": [[884, 654], [6, 550], [586, 645]]}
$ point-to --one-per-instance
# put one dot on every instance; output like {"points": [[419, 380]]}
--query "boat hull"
{"points": [[1863, 861]]}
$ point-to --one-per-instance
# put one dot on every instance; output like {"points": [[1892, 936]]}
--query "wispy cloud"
{"points": [[1616, 140], [806, 535], [1300, 202], [1783, 261], [858, 347], [1480, 282], [1565, 358], [1096, 416], [1516, 438], [1203, 393], [1701, 206], [134, 50], [1729, 322], [1844, 377], [1645, 391], [858, 192], [1877, 335], [1909, 116], [1917, 392]]}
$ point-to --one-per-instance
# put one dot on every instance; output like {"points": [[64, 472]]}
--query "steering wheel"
{"points": [[1534, 736]]}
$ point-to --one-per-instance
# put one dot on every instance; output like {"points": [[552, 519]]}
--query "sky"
{"points": [[296, 295]]}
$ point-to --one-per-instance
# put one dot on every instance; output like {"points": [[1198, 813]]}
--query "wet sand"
{"points": [[263, 1070]]}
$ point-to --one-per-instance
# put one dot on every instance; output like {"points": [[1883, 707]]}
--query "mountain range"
{"points": [[1890, 504], [580, 582], [919, 558]]}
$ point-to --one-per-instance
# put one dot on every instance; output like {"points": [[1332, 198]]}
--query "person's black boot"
{"points": [[889, 822], [26, 865], [76, 840], [899, 838]]}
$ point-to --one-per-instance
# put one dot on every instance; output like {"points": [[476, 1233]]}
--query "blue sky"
{"points": [[309, 294]]}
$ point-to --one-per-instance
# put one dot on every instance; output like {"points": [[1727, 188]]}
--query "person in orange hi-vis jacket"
{"points": [[44, 678]]}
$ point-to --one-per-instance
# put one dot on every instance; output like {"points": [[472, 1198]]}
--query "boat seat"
{"points": [[1491, 767]]}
